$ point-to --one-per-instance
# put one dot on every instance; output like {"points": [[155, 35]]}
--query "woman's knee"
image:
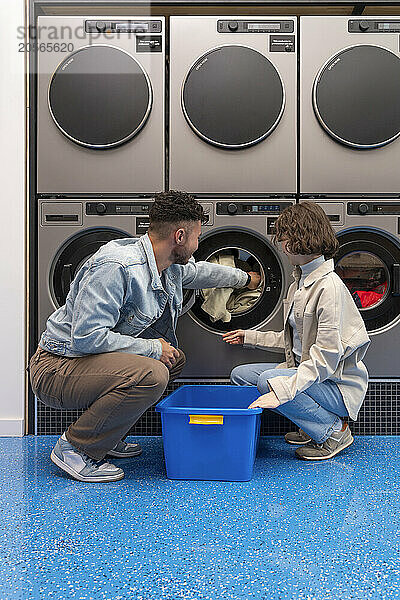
{"points": [[240, 375]]}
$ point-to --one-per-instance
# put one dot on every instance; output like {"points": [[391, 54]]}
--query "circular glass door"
{"points": [[225, 309], [100, 97], [73, 254], [356, 96], [233, 97], [366, 263]]}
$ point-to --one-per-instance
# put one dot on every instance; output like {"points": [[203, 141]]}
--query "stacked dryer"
{"points": [[100, 139], [233, 143], [349, 157]]}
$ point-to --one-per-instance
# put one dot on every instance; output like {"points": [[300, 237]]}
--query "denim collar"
{"points": [[156, 282]]}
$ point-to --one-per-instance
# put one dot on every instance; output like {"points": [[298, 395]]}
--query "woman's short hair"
{"points": [[307, 229], [171, 209]]}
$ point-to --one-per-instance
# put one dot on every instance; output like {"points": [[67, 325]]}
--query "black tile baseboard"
{"points": [[379, 415]]}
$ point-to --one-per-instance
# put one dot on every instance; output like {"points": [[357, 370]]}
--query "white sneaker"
{"points": [[80, 466]]}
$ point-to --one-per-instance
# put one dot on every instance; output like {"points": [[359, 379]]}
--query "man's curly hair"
{"points": [[173, 208], [308, 230]]}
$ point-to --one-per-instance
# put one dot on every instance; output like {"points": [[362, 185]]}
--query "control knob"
{"points": [[363, 25], [101, 26], [231, 208], [363, 209], [101, 208], [233, 26]]}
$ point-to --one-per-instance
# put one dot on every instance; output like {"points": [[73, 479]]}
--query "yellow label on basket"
{"points": [[206, 419]]}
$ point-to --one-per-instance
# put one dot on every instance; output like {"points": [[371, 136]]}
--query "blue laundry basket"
{"points": [[209, 433]]}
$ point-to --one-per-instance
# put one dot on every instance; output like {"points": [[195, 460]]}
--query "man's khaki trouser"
{"points": [[116, 388]]}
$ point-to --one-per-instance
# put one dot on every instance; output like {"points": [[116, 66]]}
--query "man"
{"points": [[111, 349]]}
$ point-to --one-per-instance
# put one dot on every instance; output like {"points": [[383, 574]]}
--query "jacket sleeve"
{"points": [[97, 311], [203, 274], [265, 340], [324, 355]]}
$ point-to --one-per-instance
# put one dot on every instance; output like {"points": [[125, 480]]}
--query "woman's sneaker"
{"points": [[80, 466], [125, 450], [338, 441], [297, 437]]}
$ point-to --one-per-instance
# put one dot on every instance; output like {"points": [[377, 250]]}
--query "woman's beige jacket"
{"points": [[333, 337]]}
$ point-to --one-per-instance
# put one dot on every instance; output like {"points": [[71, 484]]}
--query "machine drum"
{"points": [[233, 97], [356, 97], [100, 97]]}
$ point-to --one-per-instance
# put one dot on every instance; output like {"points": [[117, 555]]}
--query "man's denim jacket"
{"points": [[118, 295]]}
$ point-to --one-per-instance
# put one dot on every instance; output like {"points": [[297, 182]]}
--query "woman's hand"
{"points": [[234, 337], [269, 400]]}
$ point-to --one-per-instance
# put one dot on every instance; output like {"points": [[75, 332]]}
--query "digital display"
{"points": [[260, 26], [387, 209], [390, 26]]}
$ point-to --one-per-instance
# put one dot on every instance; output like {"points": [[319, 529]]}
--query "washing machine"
{"points": [[242, 229], [233, 103], [70, 232], [349, 105], [100, 105], [368, 261]]}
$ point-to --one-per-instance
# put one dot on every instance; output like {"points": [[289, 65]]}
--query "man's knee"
{"points": [[157, 376]]}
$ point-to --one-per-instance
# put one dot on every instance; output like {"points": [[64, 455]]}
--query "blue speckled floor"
{"points": [[297, 531]]}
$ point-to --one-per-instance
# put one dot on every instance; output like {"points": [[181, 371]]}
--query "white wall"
{"points": [[12, 238]]}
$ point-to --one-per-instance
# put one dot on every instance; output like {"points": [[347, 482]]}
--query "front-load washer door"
{"points": [[368, 261], [73, 254], [250, 252], [100, 97], [233, 97], [356, 96]]}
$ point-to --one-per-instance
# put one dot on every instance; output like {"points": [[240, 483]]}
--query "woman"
{"points": [[324, 339]]}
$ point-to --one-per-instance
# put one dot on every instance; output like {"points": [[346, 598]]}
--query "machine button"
{"points": [[101, 208], [233, 25], [363, 25], [288, 48], [363, 209], [101, 26], [231, 208]]}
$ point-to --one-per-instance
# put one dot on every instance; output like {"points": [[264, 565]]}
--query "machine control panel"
{"points": [[255, 26], [373, 208], [374, 26], [118, 208], [251, 208], [122, 26]]}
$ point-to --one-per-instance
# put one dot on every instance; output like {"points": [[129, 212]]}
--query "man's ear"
{"points": [[180, 236]]}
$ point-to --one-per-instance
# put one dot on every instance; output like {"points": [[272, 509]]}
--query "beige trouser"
{"points": [[115, 388]]}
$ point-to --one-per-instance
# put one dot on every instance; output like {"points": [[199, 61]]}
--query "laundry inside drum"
{"points": [[366, 277], [223, 303]]}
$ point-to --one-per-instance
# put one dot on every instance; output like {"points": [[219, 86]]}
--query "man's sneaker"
{"points": [[125, 450], [80, 466], [297, 437], [338, 441]]}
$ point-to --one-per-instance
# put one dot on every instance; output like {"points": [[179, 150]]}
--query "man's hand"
{"points": [[266, 401], [255, 280], [169, 354], [234, 337]]}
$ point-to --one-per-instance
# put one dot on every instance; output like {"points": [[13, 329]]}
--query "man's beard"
{"points": [[179, 256]]}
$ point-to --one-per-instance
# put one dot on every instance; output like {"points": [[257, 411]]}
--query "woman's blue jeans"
{"points": [[316, 411]]}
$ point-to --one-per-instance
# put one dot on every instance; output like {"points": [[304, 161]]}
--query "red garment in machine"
{"points": [[370, 297]]}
